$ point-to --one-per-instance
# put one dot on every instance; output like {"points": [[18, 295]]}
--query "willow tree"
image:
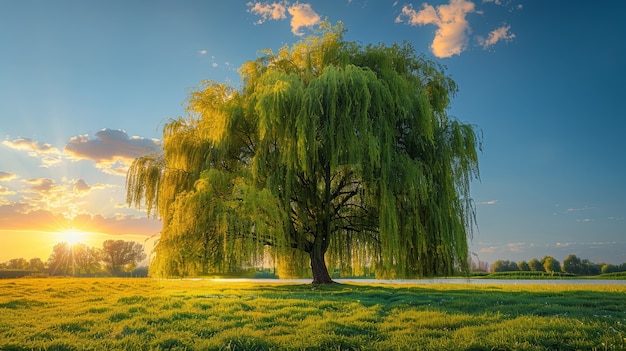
{"points": [[344, 152]]}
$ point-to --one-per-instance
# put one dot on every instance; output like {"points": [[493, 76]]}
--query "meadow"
{"points": [[146, 314]]}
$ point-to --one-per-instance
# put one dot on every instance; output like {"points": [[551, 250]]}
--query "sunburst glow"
{"points": [[72, 236]]}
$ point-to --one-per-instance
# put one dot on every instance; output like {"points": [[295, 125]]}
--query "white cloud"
{"points": [[577, 209], [34, 148], [516, 247], [490, 202], [112, 149], [302, 14], [274, 11], [500, 34], [451, 37], [202, 52]]}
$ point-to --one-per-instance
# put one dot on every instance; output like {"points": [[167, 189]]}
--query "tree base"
{"points": [[323, 282]]}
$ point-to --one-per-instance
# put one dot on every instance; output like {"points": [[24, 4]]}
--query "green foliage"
{"points": [[504, 266], [609, 268], [75, 260], [104, 314], [535, 265], [551, 265], [572, 264], [523, 266], [121, 256], [328, 146]]}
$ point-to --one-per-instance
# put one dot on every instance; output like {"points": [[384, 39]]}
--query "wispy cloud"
{"points": [[302, 14], [22, 216], [453, 28], [500, 34], [48, 154], [508, 3], [274, 11], [6, 176], [4, 192], [43, 186], [202, 52], [112, 149], [79, 186], [66, 198], [33, 147], [578, 209], [451, 37], [490, 202]]}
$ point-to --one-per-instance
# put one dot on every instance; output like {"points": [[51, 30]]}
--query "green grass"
{"points": [[613, 276], [145, 314]]}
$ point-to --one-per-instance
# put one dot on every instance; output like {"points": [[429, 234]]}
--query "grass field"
{"points": [[146, 314]]}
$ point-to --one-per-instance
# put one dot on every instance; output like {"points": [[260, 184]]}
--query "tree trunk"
{"points": [[318, 266]]}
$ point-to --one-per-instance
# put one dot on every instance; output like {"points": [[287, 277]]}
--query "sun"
{"points": [[72, 237]]}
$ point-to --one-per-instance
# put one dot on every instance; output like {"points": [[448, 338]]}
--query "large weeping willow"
{"points": [[342, 152]]}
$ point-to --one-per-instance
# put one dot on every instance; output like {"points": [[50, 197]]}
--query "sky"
{"points": [[86, 86]]}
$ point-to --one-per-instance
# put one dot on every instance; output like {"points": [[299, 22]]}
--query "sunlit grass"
{"points": [[144, 314]]}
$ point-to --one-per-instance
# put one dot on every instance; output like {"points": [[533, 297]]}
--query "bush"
{"points": [[609, 268]]}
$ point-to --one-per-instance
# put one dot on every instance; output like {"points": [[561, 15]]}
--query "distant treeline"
{"points": [[571, 264], [116, 258]]}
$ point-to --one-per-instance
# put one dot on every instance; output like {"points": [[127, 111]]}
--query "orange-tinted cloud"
{"points": [[117, 225], [67, 198], [6, 176], [35, 148], [49, 154], [22, 216], [40, 185], [274, 11], [302, 14], [451, 37], [112, 149]]}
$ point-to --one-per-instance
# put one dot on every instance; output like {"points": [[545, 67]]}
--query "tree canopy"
{"points": [[332, 152], [121, 256]]}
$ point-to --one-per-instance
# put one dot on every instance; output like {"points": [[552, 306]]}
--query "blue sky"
{"points": [[85, 86]]}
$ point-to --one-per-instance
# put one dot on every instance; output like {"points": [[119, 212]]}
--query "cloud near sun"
{"points": [[45, 205], [112, 149]]}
